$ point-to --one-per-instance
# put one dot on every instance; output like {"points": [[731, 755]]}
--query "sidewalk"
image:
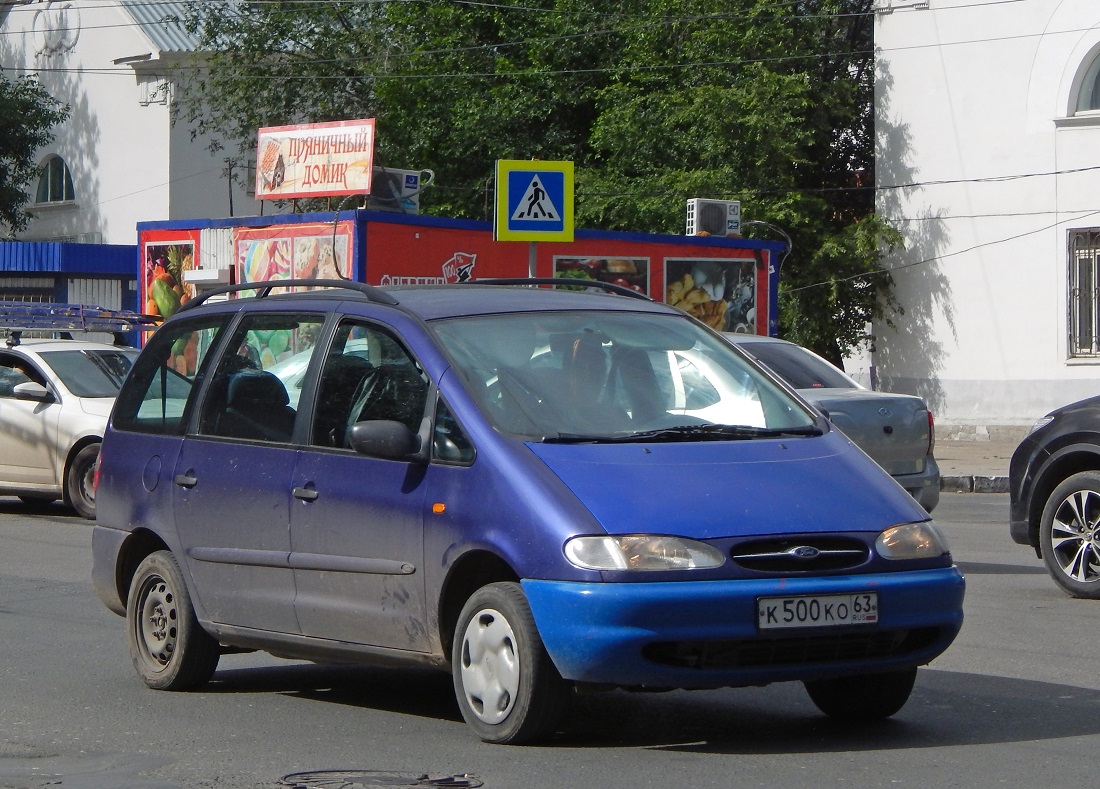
{"points": [[975, 464]]}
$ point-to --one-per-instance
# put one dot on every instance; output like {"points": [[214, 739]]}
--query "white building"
{"points": [[119, 159], [988, 132]]}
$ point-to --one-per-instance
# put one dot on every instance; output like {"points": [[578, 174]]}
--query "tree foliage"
{"points": [[28, 115], [655, 101]]}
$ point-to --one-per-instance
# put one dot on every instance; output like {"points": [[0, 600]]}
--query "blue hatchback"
{"points": [[537, 489]]}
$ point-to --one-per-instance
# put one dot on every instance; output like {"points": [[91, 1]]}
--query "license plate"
{"points": [[832, 610]]}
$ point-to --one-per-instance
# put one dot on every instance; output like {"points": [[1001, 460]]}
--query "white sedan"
{"points": [[55, 399]]}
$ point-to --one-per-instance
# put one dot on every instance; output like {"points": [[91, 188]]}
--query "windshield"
{"points": [[616, 376], [799, 367], [91, 373]]}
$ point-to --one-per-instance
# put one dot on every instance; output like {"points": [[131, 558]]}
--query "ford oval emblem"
{"points": [[804, 552]]}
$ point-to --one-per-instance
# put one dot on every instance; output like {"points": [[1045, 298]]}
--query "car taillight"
{"points": [[931, 435]]}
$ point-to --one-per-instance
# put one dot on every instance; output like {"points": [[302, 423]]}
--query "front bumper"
{"points": [[703, 634]]}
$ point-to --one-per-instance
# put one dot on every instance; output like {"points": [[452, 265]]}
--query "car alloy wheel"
{"points": [[1069, 535]]}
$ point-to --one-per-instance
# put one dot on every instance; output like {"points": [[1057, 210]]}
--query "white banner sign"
{"points": [[314, 160]]}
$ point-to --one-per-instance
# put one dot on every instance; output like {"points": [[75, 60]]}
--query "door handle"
{"points": [[305, 494], [188, 480]]}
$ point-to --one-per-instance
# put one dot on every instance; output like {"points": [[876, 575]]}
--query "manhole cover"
{"points": [[351, 779]]}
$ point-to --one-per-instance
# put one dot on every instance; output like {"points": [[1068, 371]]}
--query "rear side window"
{"points": [[798, 367], [253, 392], [165, 375]]}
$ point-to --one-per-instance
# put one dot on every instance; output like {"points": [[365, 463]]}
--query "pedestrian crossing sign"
{"points": [[534, 201]]}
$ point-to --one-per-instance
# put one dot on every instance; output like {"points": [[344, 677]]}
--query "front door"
{"points": [[357, 522]]}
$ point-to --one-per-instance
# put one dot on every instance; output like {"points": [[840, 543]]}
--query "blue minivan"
{"points": [[537, 489]]}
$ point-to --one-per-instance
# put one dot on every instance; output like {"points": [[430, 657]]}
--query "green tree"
{"points": [[28, 114], [655, 101]]}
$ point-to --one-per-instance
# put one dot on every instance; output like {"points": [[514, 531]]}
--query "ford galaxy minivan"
{"points": [[537, 489]]}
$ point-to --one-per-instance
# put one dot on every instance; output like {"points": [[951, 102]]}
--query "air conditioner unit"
{"points": [[395, 190], [713, 217]]}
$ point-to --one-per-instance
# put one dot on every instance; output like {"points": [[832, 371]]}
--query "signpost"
{"points": [[534, 202]]}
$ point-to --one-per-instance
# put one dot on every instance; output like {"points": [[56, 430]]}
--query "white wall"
{"points": [[967, 95], [129, 164]]}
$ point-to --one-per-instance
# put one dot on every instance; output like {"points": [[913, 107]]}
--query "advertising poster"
{"points": [[721, 292], [165, 256], [315, 160], [627, 272], [308, 251]]}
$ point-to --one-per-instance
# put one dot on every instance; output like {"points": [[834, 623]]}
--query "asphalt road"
{"points": [[1015, 702]]}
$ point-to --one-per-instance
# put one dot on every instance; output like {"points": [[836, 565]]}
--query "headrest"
{"points": [[252, 387]]}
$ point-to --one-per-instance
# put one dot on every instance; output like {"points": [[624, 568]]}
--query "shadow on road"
{"points": [[946, 709]]}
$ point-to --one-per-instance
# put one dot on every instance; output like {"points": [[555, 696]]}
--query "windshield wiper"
{"points": [[688, 433]]}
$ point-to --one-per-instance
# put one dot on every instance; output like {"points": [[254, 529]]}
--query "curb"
{"points": [[974, 483]]}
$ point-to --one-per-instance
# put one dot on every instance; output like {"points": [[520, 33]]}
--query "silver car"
{"points": [[55, 398], [896, 430]]}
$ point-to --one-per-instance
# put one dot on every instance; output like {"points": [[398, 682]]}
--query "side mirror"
{"points": [[29, 390], [384, 438]]}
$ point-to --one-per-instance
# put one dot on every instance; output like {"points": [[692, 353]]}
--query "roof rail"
{"points": [[264, 288], [610, 287], [17, 317]]}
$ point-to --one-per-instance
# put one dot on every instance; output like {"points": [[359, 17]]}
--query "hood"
{"points": [[97, 406], [731, 488]]}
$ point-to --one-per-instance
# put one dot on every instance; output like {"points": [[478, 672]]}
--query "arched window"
{"points": [[55, 185], [1089, 96]]}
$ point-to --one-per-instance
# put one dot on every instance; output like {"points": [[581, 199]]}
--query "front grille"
{"points": [[811, 553], [790, 651]]}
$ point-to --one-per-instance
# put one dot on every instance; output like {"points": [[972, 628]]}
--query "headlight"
{"points": [[912, 541], [641, 552], [1042, 421]]}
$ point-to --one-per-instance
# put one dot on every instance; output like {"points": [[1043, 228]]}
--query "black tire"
{"points": [[869, 697], [79, 490], [1069, 535], [169, 648], [507, 687]]}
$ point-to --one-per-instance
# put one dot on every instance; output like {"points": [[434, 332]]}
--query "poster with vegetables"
{"points": [[720, 292], [632, 273], [163, 285]]}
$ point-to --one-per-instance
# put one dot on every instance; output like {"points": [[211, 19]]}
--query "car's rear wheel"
{"points": [[507, 687], [1069, 535], [169, 648], [80, 479], [868, 697]]}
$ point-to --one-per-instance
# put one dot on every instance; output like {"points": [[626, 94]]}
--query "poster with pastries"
{"points": [[721, 292]]}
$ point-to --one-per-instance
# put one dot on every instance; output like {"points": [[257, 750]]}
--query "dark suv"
{"points": [[536, 489], [1054, 487]]}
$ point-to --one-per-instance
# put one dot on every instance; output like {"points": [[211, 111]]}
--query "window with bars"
{"points": [[1084, 297]]}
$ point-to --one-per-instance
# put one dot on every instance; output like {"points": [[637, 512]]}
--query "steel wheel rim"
{"points": [[490, 666], [1075, 537], [157, 628]]}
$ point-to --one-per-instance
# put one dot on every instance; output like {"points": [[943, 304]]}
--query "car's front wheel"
{"points": [[1069, 535], [79, 482], [507, 687], [169, 648], [867, 697]]}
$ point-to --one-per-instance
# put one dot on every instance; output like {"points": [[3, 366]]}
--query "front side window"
{"points": [[367, 375], [15, 370], [1082, 307], [55, 184]]}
